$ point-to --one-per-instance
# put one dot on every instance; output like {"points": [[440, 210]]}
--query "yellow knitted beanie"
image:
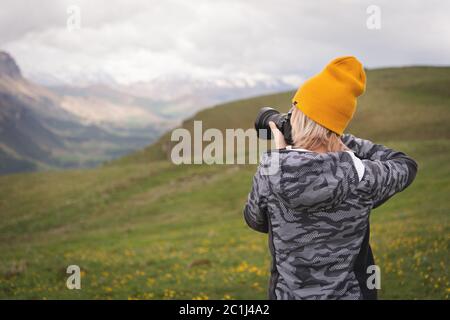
{"points": [[329, 98]]}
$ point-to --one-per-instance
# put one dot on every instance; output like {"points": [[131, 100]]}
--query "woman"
{"points": [[316, 205]]}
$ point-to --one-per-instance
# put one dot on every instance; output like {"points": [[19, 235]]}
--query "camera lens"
{"points": [[266, 115], [281, 120]]}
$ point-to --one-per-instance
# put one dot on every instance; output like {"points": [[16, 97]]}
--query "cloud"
{"points": [[129, 40]]}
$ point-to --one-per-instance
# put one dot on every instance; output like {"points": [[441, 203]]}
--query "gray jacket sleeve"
{"points": [[387, 171], [255, 211]]}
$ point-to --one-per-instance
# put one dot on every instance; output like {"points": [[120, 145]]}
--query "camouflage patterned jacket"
{"points": [[315, 207]]}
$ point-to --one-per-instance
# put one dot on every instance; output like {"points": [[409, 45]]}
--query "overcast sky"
{"points": [[128, 41]]}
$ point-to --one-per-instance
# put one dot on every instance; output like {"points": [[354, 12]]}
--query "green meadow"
{"points": [[143, 228]]}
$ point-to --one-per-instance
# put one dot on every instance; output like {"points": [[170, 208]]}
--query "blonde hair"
{"points": [[308, 134]]}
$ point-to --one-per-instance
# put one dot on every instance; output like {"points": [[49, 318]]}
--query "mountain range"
{"points": [[69, 126], [40, 129]]}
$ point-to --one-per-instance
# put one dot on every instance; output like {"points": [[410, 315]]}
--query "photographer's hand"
{"points": [[278, 137]]}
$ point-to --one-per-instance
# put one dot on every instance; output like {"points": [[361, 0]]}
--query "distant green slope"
{"points": [[399, 104], [150, 229]]}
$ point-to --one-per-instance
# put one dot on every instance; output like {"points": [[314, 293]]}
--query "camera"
{"points": [[281, 120]]}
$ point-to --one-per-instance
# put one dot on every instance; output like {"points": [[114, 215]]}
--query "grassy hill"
{"points": [[141, 227]]}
